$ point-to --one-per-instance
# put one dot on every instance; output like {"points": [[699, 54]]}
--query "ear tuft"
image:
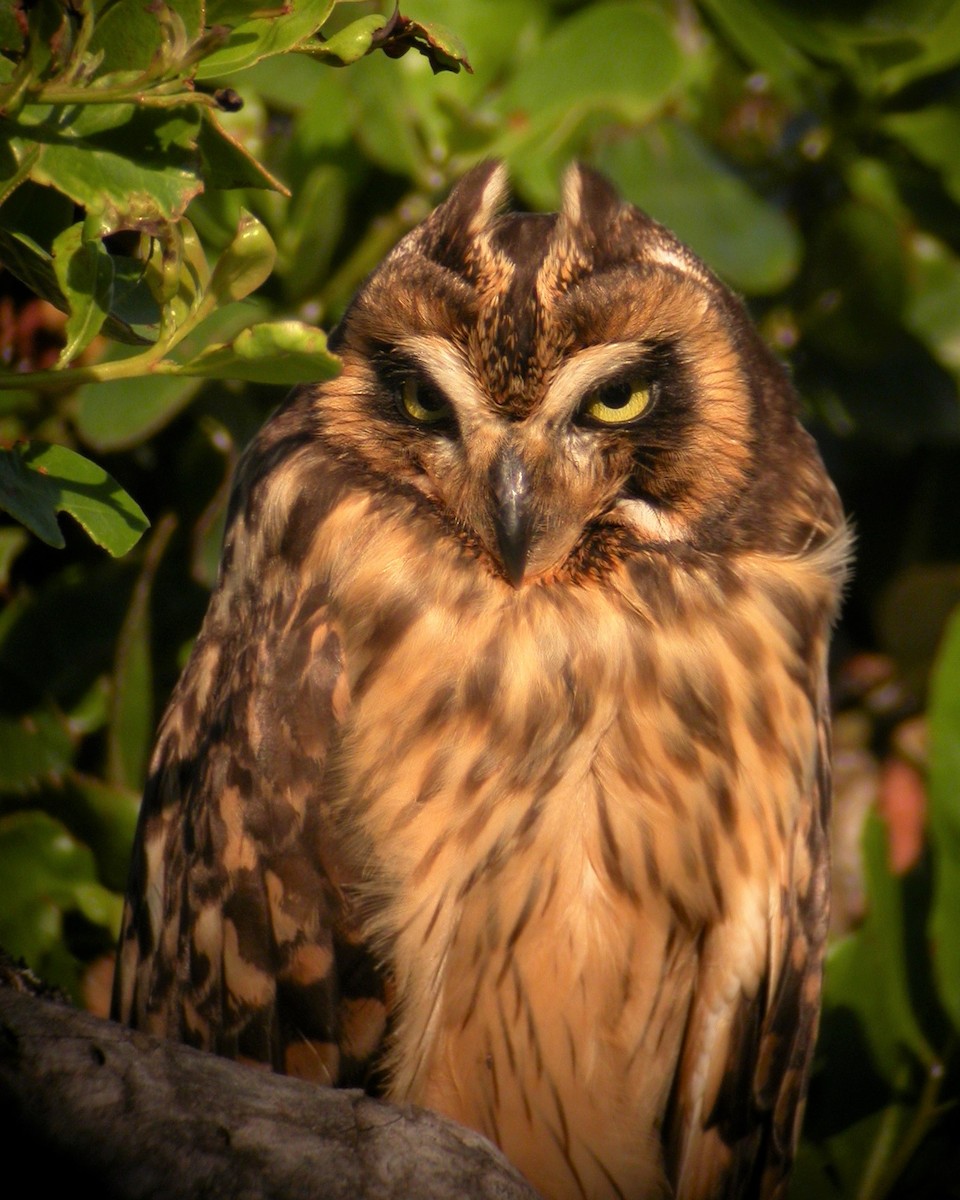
{"points": [[453, 228], [590, 201], [475, 199], [481, 193]]}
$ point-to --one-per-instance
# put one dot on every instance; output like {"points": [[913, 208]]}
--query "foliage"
{"points": [[806, 150]]}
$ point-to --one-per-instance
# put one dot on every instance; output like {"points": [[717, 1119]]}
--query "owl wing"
{"points": [[739, 1094], [238, 934]]}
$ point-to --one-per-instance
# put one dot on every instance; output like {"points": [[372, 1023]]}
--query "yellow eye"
{"points": [[616, 404], [421, 404]]}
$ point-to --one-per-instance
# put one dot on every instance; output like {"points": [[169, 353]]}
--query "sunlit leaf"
{"points": [[38, 481], [84, 272], [134, 166], [129, 34], [227, 163], [116, 415], [352, 42], [245, 263], [252, 40], [280, 352], [442, 48], [178, 276]]}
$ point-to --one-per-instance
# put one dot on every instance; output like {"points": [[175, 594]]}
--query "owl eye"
{"points": [[616, 403], [421, 404]]}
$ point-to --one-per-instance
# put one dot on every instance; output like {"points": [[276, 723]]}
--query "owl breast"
{"points": [[542, 789]]}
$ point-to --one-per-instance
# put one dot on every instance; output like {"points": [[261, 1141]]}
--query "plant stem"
{"points": [[890, 1156]]}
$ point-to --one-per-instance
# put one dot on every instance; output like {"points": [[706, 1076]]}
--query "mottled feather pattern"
{"points": [[499, 775]]}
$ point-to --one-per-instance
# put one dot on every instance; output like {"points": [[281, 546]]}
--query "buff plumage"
{"points": [[498, 778]]}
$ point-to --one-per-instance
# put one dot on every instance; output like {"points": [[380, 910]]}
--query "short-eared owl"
{"points": [[499, 775]]}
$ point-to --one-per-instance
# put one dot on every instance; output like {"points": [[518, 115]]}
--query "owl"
{"points": [[498, 778]]}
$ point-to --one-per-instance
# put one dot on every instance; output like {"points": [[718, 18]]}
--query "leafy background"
{"points": [[190, 192]]}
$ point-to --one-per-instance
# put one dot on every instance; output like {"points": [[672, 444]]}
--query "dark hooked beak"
{"points": [[512, 514]]}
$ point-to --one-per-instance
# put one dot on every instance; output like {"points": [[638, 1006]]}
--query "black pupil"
{"points": [[617, 395], [431, 400]]}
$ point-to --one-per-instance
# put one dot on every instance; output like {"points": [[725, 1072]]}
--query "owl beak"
{"points": [[512, 514]]}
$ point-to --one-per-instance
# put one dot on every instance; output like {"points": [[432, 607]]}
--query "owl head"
{"points": [[557, 388]]}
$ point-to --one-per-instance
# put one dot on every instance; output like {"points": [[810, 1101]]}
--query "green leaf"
{"points": [[84, 272], [352, 42], [442, 48], [135, 315], [136, 167], [227, 163], [11, 31], [13, 540], [131, 709], [48, 37], [34, 749], [878, 952], [279, 352], [245, 264], [932, 310], [129, 34], [253, 40], [622, 58], [944, 819], [37, 481], [856, 283], [387, 125], [178, 276], [58, 640], [832, 1169], [117, 415], [669, 172], [768, 36], [619, 61], [911, 41], [44, 874], [30, 222], [932, 134], [315, 221], [498, 35], [105, 817]]}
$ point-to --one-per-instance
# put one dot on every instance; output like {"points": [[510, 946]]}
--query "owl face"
{"points": [[561, 386]]}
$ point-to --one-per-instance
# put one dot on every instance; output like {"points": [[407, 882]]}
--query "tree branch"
{"points": [[86, 1101]]}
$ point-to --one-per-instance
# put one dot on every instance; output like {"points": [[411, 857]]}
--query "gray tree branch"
{"points": [[88, 1102]]}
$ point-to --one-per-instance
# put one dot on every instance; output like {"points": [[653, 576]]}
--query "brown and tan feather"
{"points": [[546, 855]]}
